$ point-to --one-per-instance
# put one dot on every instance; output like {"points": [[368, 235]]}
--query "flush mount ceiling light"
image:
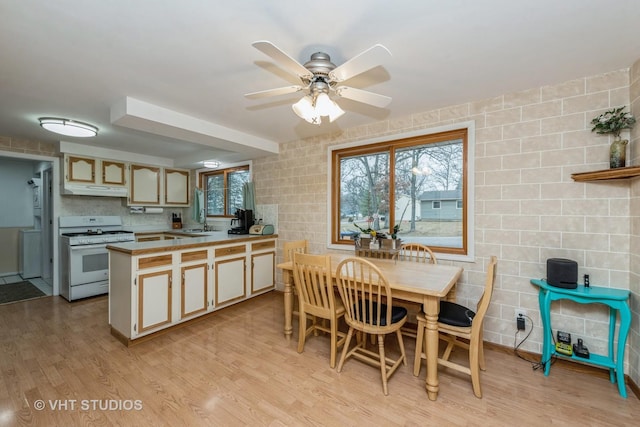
{"points": [[68, 127], [320, 77], [211, 164]]}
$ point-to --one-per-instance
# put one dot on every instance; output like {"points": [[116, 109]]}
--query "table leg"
{"points": [[612, 337], [288, 304], [432, 308], [545, 309], [625, 324]]}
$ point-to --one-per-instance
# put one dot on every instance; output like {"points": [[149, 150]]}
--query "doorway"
{"points": [[29, 182]]}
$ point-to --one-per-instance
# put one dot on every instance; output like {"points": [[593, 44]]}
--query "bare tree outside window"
{"points": [[224, 190]]}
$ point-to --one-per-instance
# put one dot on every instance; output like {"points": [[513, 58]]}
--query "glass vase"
{"points": [[618, 153]]}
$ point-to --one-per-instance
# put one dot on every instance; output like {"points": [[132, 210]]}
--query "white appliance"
{"points": [[94, 190], [84, 256], [30, 253]]}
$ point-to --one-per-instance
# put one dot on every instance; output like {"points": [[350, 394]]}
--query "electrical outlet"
{"points": [[520, 312], [520, 319]]}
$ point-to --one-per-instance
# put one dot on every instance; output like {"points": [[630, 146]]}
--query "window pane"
{"points": [[236, 181], [364, 193], [215, 194], [428, 193]]}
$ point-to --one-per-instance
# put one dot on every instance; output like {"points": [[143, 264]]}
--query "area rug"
{"points": [[18, 292]]}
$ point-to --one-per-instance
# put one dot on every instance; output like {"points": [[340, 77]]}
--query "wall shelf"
{"points": [[618, 173]]}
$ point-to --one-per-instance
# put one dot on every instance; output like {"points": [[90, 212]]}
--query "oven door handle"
{"points": [[85, 247]]}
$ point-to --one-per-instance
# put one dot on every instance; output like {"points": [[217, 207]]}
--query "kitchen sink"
{"points": [[192, 230]]}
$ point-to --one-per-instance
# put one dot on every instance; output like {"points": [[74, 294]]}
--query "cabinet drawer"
{"points": [[154, 261], [263, 245], [193, 256], [148, 238], [232, 250]]}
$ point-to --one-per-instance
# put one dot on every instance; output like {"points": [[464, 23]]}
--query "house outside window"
{"points": [[379, 184]]}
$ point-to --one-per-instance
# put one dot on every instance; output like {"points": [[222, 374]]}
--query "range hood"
{"points": [[94, 190]]}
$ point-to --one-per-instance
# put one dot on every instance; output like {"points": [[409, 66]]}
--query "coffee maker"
{"points": [[241, 222]]}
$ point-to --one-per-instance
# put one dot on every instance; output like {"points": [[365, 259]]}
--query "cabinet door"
{"points": [[230, 279], [81, 169], [194, 289], [176, 187], [154, 299], [145, 185], [263, 274], [113, 173]]}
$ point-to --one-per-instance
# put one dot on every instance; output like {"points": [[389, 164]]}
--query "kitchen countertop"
{"points": [[189, 241]]}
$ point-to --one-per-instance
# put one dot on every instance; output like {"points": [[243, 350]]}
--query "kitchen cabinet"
{"points": [[212, 272], [263, 276], [176, 187], [229, 270], [144, 185], [153, 236], [82, 170], [195, 284], [151, 185], [113, 173], [154, 299]]}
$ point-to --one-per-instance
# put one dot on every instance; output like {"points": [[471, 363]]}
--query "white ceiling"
{"points": [[193, 60]]}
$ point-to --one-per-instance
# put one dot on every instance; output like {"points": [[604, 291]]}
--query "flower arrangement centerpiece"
{"points": [[373, 238], [614, 121]]}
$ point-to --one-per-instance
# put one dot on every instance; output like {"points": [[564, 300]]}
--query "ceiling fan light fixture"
{"points": [[68, 127], [305, 110], [313, 112], [324, 105], [335, 113]]}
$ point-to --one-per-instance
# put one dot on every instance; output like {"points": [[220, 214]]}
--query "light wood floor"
{"points": [[236, 368]]}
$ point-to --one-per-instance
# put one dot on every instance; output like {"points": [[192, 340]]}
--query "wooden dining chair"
{"points": [[366, 296], [316, 297], [288, 249], [414, 252], [456, 321]]}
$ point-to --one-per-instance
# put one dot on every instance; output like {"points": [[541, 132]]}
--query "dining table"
{"points": [[410, 281]]}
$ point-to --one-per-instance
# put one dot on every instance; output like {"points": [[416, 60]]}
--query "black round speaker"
{"points": [[562, 273]]}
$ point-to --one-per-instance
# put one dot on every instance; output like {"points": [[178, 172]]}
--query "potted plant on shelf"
{"points": [[613, 122]]}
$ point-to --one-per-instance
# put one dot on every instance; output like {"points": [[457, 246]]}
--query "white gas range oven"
{"points": [[83, 253]]}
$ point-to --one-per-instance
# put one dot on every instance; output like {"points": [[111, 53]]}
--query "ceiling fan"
{"points": [[320, 77]]}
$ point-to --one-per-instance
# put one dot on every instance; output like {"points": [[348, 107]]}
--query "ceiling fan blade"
{"points": [[360, 63], [282, 58], [363, 96], [273, 92]]}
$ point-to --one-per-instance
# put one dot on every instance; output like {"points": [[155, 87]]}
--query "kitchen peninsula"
{"points": [[161, 284]]}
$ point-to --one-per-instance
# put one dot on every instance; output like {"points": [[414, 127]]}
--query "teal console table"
{"points": [[618, 302]]}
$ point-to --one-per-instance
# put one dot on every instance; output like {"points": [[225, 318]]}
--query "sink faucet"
{"points": [[206, 226]]}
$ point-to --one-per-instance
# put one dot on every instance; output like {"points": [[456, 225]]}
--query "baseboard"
{"points": [[566, 364]]}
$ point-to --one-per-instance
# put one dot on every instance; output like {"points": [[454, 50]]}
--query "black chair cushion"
{"points": [[397, 313], [455, 314]]}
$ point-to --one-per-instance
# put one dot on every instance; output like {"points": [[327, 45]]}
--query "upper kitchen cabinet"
{"points": [[113, 173], [145, 185], [176, 184], [150, 185], [82, 170], [90, 176]]}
